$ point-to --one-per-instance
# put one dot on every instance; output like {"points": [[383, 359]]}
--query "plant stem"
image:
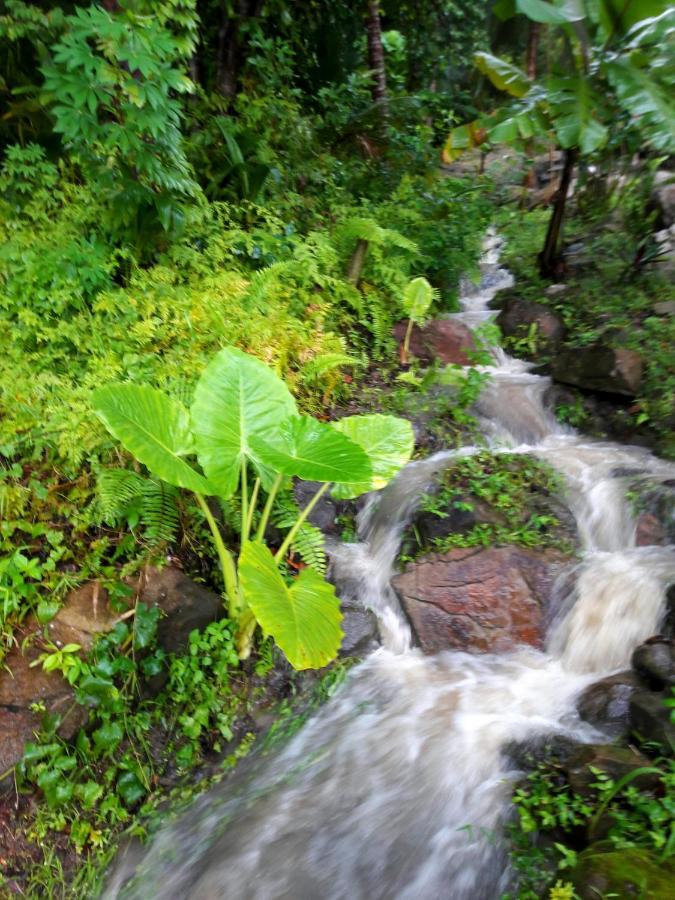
{"points": [[301, 518], [244, 501], [225, 557], [251, 505], [271, 497], [406, 341]]}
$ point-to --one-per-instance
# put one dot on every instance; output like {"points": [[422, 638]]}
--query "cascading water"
{"points": [[399, 786]]}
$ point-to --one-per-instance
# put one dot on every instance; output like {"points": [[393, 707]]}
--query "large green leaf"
{"points": [[503, 75], [389, 443], [618, 16], [648, 102], [313, 451], [304, 619], [575, 109], [551, 13], [236, 398], [152, 426], [417, 297]]}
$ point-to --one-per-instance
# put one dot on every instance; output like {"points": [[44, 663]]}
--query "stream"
{"points": [[399, 786]]}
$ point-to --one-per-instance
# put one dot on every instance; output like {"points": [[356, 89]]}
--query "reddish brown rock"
{"points": [[649, 530], [480, 600], [445, 340], [22, 686]]}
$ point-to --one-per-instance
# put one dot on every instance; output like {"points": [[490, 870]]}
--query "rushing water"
{"points": [[399, 786]]}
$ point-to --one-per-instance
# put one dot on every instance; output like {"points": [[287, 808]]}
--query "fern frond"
{"points": [[310, 546], [125, 495], [322, 363], [159, 512], [116, 489], [309, 541]]}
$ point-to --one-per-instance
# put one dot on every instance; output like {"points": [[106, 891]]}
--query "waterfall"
{"points": [[399, 786]]}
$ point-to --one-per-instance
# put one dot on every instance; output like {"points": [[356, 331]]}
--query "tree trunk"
{"points": [[548, 258], [531, 63], [357, 261], [229, 52], [376, 57], [532, 48]]}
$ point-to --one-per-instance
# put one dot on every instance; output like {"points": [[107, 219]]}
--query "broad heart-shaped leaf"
{"points": [[313, 451], [551, 13], [417, 297], [304, 619], [389, 443], [237, 397], [152, 426], [502, 74]]}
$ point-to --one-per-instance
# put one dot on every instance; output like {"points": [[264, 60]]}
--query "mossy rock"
{"points": [[622, 873]]}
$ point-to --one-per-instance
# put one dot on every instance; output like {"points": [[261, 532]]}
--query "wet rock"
{"points": [[20, 688], [665, 308], [480, 600], [654, 661], [606, 704], [360, 630], [656, 504], [599, 367], [517, 316], [185, 604], [445, 340], [663, 197], [324, 514], [621, 873], [85, 614], [650, 718], [614, 761], [649, 531]]}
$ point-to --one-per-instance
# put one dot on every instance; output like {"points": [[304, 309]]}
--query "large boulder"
{"points": [[480, 600], [655, 501], [185, 605], [517, 316], [650, 718], [445, 340], [606, 703], [599, 367], [654, 662]]}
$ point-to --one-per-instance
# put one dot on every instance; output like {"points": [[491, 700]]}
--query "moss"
{"points": [[622, 873]]}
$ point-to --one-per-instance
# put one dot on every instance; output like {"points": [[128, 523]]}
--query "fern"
{"points": [[323, 363], [126, 496], [309, 541]]}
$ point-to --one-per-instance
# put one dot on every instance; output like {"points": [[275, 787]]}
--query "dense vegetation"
{"points": [[195, 195]]}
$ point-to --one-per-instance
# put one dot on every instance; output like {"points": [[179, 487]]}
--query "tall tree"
{"points": [[376, 56]]}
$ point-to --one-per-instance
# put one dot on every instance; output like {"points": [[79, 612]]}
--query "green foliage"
{"points": [[513, 487], [125, 497], [113, 82], [608, 72], [242, 415], [632, 816], [199, 691], [609, 299]]}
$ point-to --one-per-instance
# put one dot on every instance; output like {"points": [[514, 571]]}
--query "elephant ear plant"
{"points": [[245, 431]]}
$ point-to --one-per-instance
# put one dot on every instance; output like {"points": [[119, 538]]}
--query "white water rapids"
{"points": [[399, 786]]}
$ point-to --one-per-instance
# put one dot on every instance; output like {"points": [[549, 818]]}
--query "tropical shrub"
{"points": [[244, 422]]}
